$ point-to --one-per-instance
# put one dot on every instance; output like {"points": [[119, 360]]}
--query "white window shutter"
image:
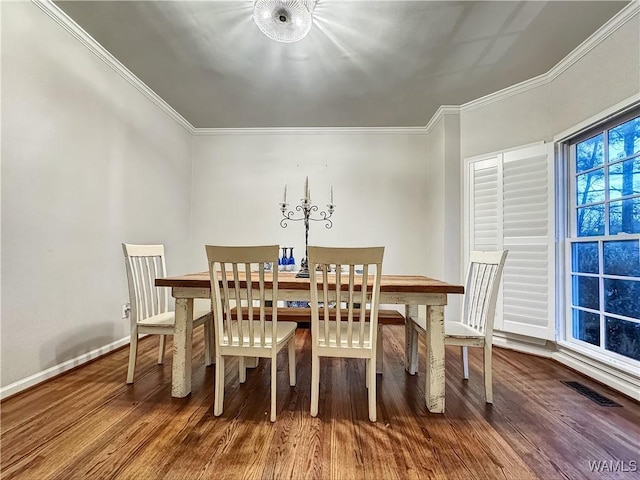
{"points": [[528, 233], [510, 206], [485, 208], [485, 212]]}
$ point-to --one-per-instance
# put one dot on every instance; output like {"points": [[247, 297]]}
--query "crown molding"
{"points": [[440, 113], [617, 21], [66, 22], [312, 131], [505, 93]]}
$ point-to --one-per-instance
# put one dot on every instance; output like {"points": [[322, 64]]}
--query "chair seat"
{"points": [[168, 319], [322, 341], [451, 329], [284, 330], [460, 330]]}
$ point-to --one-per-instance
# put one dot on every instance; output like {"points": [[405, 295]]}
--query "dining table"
{"points": [[411, 291]]}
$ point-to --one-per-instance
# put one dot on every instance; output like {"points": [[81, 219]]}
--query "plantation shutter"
{"points": [[485, 206], [510, 206], [485, 213], [528, 233]]}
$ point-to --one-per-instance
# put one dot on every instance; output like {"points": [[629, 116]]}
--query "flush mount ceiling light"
{"points": [[284, 21]]}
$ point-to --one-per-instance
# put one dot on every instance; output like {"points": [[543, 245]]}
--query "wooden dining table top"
{"points": [[288, 281]]}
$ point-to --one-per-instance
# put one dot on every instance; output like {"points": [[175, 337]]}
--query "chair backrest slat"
{"points": [[263, 302], [350, 303], [356, 289], [236, 284], [363, 301], [145, 263], [481, 289], [338, 303], [325, 298], [225, 306], [238, 279]]}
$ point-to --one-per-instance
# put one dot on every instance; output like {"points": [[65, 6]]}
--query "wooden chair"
{"points": [[150, 305], [475, 329], [347, 332], [247, 333]]}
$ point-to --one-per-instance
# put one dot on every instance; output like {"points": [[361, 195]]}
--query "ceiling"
{"points": [[364, 63]]}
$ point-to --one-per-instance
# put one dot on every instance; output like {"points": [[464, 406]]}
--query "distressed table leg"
{"points": [[182, 344], [435, 383], [410, 347]]}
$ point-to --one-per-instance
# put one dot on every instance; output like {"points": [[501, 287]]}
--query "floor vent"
{"points": [[591, 394]]}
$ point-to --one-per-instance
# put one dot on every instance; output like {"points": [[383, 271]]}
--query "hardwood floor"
{"points": [[89, 424]]}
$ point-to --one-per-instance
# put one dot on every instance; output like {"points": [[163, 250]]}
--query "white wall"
{"points": [[87, 163], [443, 203], [452, 253], [436, 192], [379, 182]]}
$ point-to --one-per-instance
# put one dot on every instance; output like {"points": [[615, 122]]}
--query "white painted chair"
{"points": [[150, 304], [345, 331], [253, 336], [475, 329]]}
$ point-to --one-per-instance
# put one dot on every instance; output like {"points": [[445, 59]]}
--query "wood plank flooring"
{"points": [[88, 424]]}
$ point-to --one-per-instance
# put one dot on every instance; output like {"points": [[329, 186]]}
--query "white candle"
{"points": [[306, 188], [284, 197], [331, 194]]}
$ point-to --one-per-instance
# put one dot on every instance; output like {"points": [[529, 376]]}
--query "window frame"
{"points": [[568, 209]]}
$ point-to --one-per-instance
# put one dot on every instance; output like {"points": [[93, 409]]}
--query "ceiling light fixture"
{"points": [[284, 21]]}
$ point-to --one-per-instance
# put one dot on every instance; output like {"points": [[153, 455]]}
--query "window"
{"points": [[603, 265]]}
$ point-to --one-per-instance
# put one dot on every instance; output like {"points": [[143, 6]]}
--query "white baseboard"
{"points": [[601, 372], [520, 343], [39, 377], [604, 373]]}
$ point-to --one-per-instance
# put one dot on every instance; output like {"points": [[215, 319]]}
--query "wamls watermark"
{"points": [[607, 466]]}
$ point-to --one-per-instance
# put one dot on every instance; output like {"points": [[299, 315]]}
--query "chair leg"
{"points": [[371, 380], [315, 383], [218, 401], [367, 367], [292, 361], [274, 383], [464, 355], [413, 353], [488, 380], [242, 373], [208, 357], [212, 341], [379, 357], [133, 352], [161, 349]]}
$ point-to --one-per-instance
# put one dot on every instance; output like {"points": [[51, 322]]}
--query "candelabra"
{"points": [[306, 209]]}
